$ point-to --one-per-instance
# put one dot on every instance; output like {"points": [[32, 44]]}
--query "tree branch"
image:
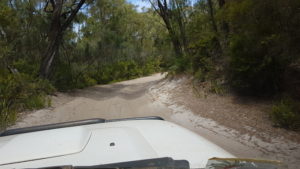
{"points": [[73, 14], [53, 3]]}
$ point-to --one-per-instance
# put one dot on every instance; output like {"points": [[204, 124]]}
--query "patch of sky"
{"points": [[140, 4]]}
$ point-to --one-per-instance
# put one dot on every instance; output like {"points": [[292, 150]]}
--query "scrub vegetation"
{"points": [[249, 47]]}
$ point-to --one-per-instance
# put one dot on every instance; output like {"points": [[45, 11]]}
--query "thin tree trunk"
{"points": [[55, 34], [164, 12], [224, 24], [212, 16], [53, 38], [51, 53], [221, 3], [214, 26], [181, 23]]}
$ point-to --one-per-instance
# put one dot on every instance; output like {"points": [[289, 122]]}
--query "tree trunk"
{"points": [[51, 53], [180, 17], [165, 14], [214, 26], [221, 3], [53, 38], [55, 34], [174, 39], [224, 24], [212, 16]]}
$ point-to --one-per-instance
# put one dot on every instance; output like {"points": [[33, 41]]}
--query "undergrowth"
{"points": [[19, 92], [286, 113]]}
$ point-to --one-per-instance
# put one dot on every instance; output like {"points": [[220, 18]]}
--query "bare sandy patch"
{"points": [[239, 120]]}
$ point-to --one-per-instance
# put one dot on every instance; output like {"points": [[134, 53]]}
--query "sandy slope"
{"points": [[239, 125], [174, 101]]}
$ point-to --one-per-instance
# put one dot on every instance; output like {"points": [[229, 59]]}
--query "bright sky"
{"points": [[146, 4], [140, 4]]}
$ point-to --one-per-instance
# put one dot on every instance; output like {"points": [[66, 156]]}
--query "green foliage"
{"points": [[253, 70], [85, 81], [36, 102], [19, 92], [22, 38], [125, 70], [203, 68], [217, 87], [286, 113], [26, 66], [80, 77], [250, 42], [260, 50], [116, 43], [178, 65], [68, 77]]}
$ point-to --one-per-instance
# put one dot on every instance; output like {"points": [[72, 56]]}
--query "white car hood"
{"points": [[106, 143], [46, 144]]}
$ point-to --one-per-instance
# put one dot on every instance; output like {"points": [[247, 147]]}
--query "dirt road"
{"points": [[119, 100], [154, 96]]}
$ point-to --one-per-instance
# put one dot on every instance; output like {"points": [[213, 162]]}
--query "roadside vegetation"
{"points": [[248, 47], [107, 41]]}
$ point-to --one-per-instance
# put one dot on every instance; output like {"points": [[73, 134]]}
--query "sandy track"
{"points": [[155, 96], [118, 100]]}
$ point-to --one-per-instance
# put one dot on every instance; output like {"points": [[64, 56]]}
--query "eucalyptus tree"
{"points": [[174, 14], [62, 14], [116, 31]]}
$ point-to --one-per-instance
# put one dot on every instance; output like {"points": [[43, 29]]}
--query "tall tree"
{"points": [[212, 15], [173, 14], [224, 24], [60, 10], [216, 38]]}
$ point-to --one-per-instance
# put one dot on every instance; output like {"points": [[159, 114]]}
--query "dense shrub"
{"points": [[84, 80], [179, 65], [286, 113], [253, 68], [62, 77], [74, 76], [262, 40], [125, 70], [19, 92]]}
